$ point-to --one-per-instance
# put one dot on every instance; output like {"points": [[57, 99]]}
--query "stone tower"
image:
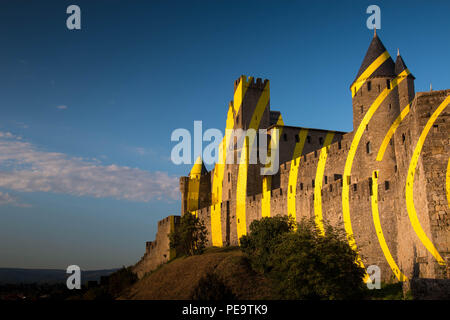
{"points": [[375, 99]]}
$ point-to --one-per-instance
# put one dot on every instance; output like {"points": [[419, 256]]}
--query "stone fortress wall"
{"points": [[386, 183]]}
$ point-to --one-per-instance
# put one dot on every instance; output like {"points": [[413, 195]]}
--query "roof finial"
{"points": [[398, 52], [431, 86]]}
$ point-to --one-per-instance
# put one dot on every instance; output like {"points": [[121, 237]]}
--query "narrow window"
{"points": [[229, 194], [285, 137], [309, 139], [297, 139], [388, 83], [281, 192], [367, 127], [403, 138], [395, 168], [301, 186], [339, 145], [355, 187], [229, 177], [386, 185], [370, 186], [331, 188], [315, 153], [290, 189], [368, 148], [362, 109], [320, 140], [313, 183], [369, 85], [326, 179]]}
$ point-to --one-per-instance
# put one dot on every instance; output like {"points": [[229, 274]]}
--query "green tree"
{"points": [[303, 263], [264, 235], [189, 237]]}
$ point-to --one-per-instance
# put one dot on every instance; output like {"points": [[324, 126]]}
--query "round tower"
{"points": [[375, 89]]}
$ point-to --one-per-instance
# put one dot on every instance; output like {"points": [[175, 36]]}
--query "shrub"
{"points": [[303, 263], [211, 287], [190, 237], [264, 235]]}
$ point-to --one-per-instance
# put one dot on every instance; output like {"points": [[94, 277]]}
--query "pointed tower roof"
{"points": [[376, 49], [198, 168], [400, 65]]}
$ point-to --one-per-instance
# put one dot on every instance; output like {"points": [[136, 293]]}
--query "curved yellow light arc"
{"points": [[267, 180], [219, 169], [319, 182], [379, 231], [241, 188], [391, 132], [349, 162], [366, 74], [293, 173], [410, 185]]}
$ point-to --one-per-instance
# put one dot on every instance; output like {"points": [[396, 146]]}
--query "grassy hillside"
{"points": [[177, 279]]}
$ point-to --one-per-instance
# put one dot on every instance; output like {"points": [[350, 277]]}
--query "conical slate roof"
{"points": [[400, 66], [376, 48], [198, 168]]}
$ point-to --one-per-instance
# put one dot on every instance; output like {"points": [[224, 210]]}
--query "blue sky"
{"points": [[86, 116]]}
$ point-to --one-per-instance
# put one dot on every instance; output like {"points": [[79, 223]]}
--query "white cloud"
{"points": [[61, 107], [25, 168], [6, 199]]}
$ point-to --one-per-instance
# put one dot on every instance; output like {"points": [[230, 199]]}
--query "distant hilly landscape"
{"points": [[50, 276]]}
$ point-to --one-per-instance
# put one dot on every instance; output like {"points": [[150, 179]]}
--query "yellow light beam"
{"points": [[319, 182], [351, 156], [241, 188], [379, 231], [219, 170], [366, 74], [410, 185], [267, 180], [293, 173], [391, 132]]}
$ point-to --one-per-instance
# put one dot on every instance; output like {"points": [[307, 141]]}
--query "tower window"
{"points": [[369, 85], [339, 145], [301, 186], [386, 185], [229, 176], [297, 139], [368, 147], [388, 83], [403, 138], [326, 179]]}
